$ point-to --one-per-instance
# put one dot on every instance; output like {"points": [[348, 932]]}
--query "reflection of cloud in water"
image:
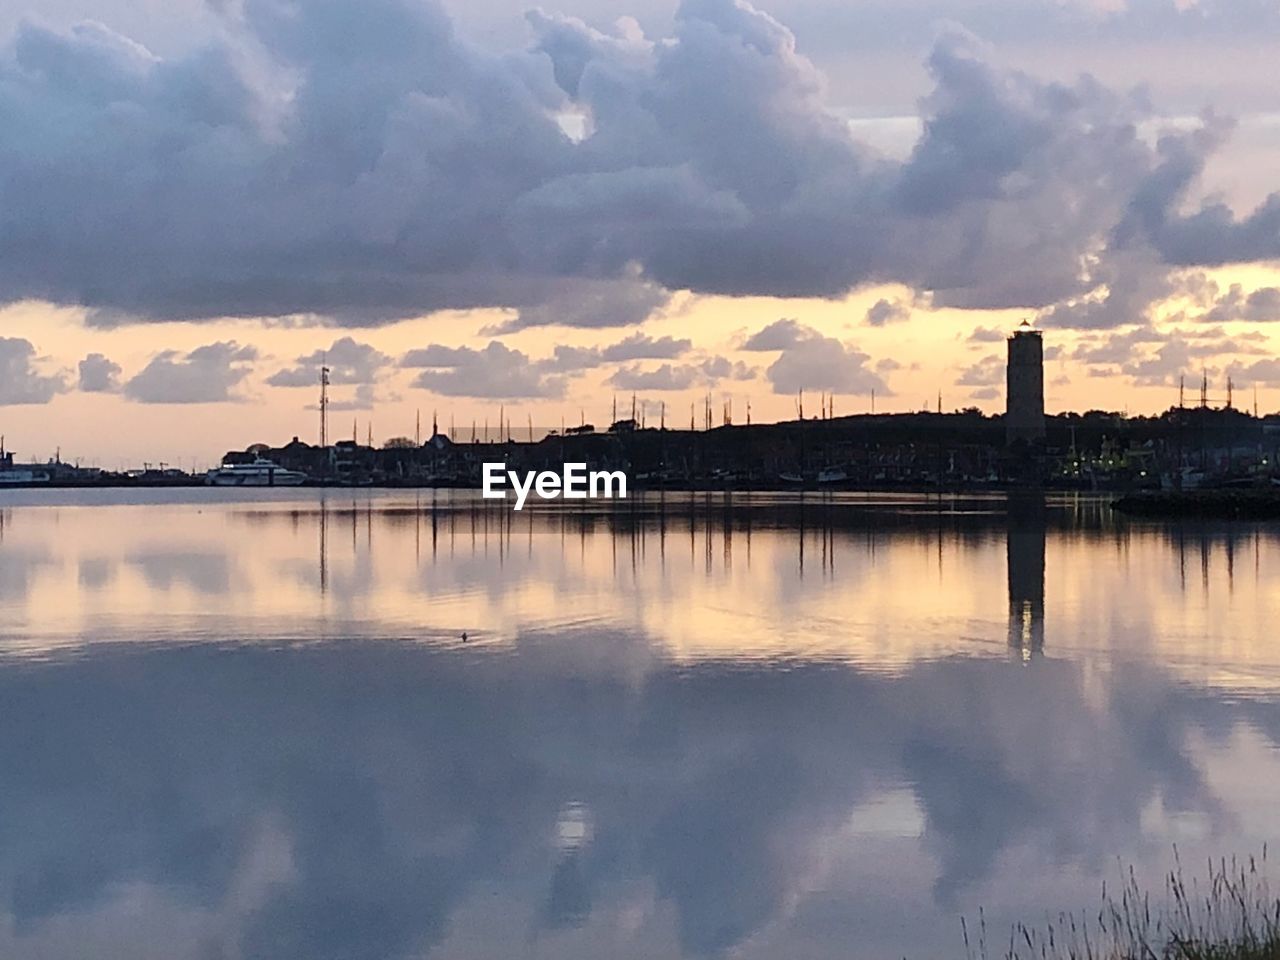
{"points": [[163, 570], [399, 786], [95, 573], [20, 567], [884, 581]]}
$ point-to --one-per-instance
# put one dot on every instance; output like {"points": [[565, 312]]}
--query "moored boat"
{"points": [[259, 473]]}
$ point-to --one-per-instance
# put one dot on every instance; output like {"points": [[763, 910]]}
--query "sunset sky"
{"points": [[470, 205]]}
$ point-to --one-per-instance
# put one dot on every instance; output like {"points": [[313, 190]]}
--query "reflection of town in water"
{"points": [[681, 726]]}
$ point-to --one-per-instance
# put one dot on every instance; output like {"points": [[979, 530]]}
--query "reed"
{"points": [[1228, 914]]}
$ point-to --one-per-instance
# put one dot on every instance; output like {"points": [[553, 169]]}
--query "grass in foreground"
{"points": [[1229, 915]]}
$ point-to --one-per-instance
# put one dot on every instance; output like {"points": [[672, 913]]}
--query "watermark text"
{"points": [[574, 483]]}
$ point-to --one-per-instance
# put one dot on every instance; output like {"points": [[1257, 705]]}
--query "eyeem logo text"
{"points": [[575, 483]]}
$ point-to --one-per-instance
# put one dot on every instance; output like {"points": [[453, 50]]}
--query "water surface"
{"points": [[247, 724]]}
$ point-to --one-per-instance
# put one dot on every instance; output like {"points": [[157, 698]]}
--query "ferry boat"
{"points": [[260, 473], [22, 475]]}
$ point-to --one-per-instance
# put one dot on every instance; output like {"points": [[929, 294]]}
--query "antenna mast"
{"points": [[324, 406]]}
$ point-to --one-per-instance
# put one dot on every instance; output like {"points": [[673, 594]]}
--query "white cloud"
{"points": [[682, 376], [208, 374], [404, 170], [989, 371], [349, 362], [21, 381], [99, 374], [777, 336], [884, 311], [494, 372]]}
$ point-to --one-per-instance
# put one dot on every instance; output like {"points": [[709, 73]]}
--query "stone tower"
{"points": [[1024, 400]]}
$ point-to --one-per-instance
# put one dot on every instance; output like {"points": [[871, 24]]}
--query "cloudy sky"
{"points": [[469, 205]]}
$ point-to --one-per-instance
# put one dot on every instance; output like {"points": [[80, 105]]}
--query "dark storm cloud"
{"points": [[590, 305], [99, 374], [358, 162], [21, 381], [207, 374]]}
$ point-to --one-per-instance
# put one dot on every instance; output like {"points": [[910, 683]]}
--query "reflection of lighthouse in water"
{"points": [[1025, 539]]}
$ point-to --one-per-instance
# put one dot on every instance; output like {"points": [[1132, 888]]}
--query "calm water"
{"points": [[238, 726]]}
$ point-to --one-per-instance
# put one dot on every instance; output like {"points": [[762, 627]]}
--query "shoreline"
{"points": [[1237, 504]]}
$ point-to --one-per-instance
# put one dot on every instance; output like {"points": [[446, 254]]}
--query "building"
{"points": [[1024, 399]]}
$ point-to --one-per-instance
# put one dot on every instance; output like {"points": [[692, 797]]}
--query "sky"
{"points": [[473, 209]]}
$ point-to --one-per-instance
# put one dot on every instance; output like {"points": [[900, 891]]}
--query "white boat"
{"points": [[22, 475], [832, 475], [12, 474], [260, 473]]}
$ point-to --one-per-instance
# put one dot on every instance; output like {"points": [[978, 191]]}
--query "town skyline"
{"points": [[779, 197]]}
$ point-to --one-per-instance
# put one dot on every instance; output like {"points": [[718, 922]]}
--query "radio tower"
{"points": [[324, 407]]}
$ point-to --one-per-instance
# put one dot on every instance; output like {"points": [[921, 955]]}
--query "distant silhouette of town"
{"points": [[1190, 445]]}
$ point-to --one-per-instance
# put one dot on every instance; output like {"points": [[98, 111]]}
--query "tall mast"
{"points": [[324, 406]]}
